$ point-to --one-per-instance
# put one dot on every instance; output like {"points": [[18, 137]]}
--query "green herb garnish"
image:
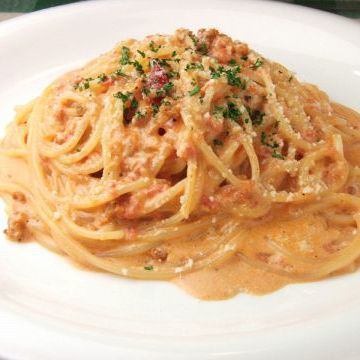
{"points": [[214, 74], [232, 112], [125, 55], [194, 66], [141, 53], [162, 62], [122, 96], [84, 84], [119, 72], [145, 91], [102, 78], [194, 39], [257, 117], [149, 268], [153, 48], [202, 49], [155, 108], [234, 80], [167, 87], [140, 114], [138, 67], [231, 75], [219, 108], [128, 107], [134, 103], [277, 155], [263, 138], [172, 74], [195, 90], [273, 145], [257, 64]]}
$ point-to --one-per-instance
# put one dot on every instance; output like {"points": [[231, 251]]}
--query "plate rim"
{"points": [[28, 18]]}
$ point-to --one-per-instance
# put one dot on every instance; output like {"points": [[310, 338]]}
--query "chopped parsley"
{"points": [[119, 72], [140, 114], [218, 142], [214, 74], [125, 59], [153, 48], [194, 39], [232, 62], [173, 53], [257, 64], [264, 141], [219, 109], [155, 108], [231, 75], [194, 66], [125, 55], [122, 96], [195, 90], [277, 155], [102, 78], [172, 74], [149, 268], [234, 80], [134, 103], [257, 117], [145, 91], [86, 84], [263, 138], [129, 107], [83, 84], [232, 112], [167, 87], [202, 49], [138, 67], [162, 62], [141, 53]]}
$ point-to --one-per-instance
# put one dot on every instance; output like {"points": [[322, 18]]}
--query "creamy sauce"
{"points": [[303, 236], [230, 279]]}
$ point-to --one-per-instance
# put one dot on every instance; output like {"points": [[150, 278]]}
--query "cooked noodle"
{"points": [[165, 156]]}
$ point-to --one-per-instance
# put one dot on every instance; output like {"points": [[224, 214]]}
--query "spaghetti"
{"points": [[183, 154]]}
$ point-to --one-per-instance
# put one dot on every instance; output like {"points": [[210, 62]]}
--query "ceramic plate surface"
{"points": [[50, 309]]}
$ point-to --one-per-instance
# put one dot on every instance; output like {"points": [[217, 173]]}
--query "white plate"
{"points": [[52, 310]]}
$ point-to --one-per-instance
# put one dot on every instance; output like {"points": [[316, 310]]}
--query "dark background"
{"points": [[350, 8]]}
